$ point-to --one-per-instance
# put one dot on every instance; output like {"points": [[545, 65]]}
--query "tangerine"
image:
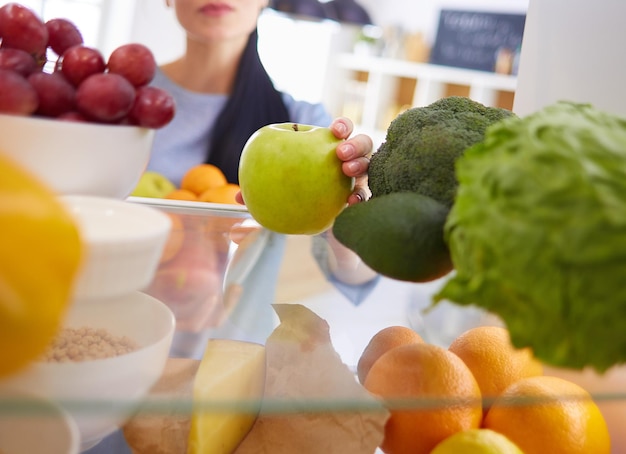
{"points": [[221, 194], [182, 194], [201, 177], [494, 361], [549, 414], [446, 397], [383, 341]]}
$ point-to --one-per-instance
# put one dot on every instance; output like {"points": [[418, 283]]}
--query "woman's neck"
{"points": [[207, 68]]}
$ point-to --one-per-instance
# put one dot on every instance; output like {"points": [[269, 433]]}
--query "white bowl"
{"points": [[77, 157], [124, 242], [32, 425], [102, 394]]}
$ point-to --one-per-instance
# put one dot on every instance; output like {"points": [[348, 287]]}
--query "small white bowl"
{"points": [[124, 243], [78, 157], [32, 425], [102, 394]]}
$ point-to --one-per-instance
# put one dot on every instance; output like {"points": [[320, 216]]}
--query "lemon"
{"points": [[40, 253], [476, 441]]}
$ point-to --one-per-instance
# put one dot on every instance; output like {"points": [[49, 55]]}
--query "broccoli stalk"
{"points": [[423, 143]]}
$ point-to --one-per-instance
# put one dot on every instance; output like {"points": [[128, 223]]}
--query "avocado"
{"points": [[399, 235]]}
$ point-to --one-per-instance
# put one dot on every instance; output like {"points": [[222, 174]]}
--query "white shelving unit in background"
{"points": [[377, 93]]}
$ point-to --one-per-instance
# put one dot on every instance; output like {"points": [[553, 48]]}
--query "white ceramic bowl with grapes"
{"points": [[78, 157], [81, 121], [102, 393]]}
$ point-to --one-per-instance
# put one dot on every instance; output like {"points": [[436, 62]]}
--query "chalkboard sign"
{"points": [[485, 41]]}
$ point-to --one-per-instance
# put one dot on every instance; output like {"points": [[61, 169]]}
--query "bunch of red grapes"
{"points": [[81, 85]]}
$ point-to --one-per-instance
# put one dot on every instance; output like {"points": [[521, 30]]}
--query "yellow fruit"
{"points": [[202, 177], [220, 194], [477, 441], [40, 254], [445, 396], [230, 372], [549, 415], [384, 340], [494, 361]]}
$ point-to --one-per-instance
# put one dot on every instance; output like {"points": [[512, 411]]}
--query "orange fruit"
{"points": [[546, 414], [494, 361], [383, 341], [182, 194], [220, 194], [202, 177], [604, 387], [41, 251], [438, 393], [175, 238]]}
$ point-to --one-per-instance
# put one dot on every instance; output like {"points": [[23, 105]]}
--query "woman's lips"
{"points": [[216, 9]]}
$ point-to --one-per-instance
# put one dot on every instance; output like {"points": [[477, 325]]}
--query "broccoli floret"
{"points": [[423, 143]]}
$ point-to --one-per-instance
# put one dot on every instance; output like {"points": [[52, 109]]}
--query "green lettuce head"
{"points": [[537, 233]]}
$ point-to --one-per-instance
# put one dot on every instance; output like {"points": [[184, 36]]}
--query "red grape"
{"points": [[17, 96], [79, 62], [105, 97], [153, 107], [133, 61], [17, 60], [56, 94], [62, 34], [20, 28], [79, 85], [73, 116]]}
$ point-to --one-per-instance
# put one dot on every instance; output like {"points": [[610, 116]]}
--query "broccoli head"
{"points": [[423, 143]]}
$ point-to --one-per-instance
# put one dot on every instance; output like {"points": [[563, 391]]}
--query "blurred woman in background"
{"points": [[223, 95]]}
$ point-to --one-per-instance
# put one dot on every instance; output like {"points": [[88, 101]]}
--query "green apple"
{"points": [[291, 178], [153, 184]]}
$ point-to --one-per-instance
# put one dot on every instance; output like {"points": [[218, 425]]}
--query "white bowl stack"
{"points": [[123, 244], [93, 168]]}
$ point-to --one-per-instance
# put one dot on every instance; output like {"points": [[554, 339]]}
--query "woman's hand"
{"points": [[355, 152]]}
